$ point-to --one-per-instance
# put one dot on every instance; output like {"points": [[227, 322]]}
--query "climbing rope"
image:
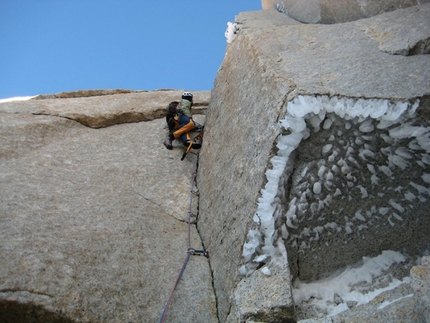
{"points": [[190, 251]]}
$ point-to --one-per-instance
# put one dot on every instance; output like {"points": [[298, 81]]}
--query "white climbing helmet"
{"points": [[187, 95]]}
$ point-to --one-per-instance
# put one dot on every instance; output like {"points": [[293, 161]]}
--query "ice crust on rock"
{"points": [[309, 114], [231, 31], [322, 293]]}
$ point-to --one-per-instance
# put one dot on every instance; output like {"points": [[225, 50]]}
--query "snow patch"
{"points": [[231, 31], [317, 188], [387, 303], [266, 271], [18, 98], [322, 293]]}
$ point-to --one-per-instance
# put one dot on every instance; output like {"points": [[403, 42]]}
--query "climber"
{"points": [[180, 122]]}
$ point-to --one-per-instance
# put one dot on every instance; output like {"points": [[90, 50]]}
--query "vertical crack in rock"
{"points": [[274, 54], [84, 221]]}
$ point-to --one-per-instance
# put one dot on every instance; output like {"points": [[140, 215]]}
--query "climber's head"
{"points": [[187, 96]]}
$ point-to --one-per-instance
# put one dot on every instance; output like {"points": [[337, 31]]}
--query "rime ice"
{"points": [[356, 152]]}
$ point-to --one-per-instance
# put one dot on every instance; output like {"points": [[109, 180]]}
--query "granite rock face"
{"points": [[105, 108], [93, 221], [315, 160], [420, 276], [332, 11], [321, 119]]}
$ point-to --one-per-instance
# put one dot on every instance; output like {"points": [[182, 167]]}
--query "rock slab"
{"points": [[92, 221]]}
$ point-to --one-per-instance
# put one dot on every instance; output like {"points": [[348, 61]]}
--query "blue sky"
{"points": [[50, 46]]}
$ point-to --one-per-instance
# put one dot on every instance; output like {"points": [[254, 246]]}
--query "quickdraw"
{"points": [[195, 252], [190, 251]]}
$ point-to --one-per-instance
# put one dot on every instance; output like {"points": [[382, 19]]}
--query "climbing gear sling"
{"points": [[196, 139]]}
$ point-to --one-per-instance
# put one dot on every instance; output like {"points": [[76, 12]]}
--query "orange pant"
{"points": [[185, 125]]}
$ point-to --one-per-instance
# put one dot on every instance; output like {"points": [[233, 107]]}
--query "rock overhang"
{"points": [[104, 108]]}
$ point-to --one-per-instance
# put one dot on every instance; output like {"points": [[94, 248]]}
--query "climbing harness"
{"points": [[190, 251]]}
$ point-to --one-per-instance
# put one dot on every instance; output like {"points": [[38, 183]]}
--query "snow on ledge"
{"points": [[18, 98], [322, 293]]}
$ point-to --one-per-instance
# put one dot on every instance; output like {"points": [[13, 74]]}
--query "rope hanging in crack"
{"points": [[164, 314], [190, 251]]}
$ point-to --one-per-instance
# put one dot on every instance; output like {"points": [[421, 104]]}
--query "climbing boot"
{"points": [[168, 143]]}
